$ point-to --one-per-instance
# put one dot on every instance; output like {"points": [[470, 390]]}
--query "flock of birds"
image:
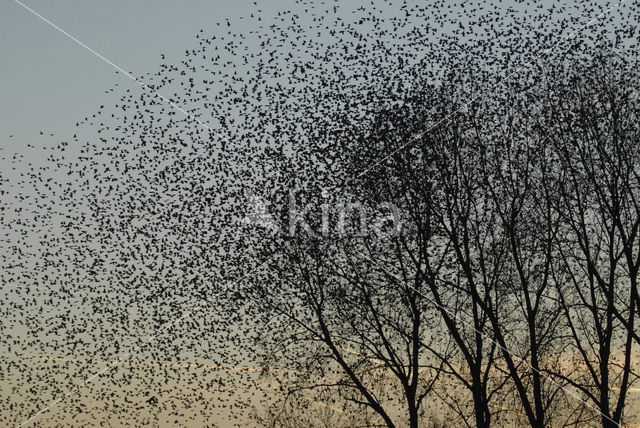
{"points": [[115, 249]]}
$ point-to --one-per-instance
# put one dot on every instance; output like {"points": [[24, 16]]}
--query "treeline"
{"points": [[510, 292]]}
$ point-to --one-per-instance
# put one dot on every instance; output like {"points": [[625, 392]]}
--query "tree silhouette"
{"points": [[380, 215]]}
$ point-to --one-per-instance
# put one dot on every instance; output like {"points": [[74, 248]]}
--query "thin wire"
{"points": [[117, 67], [414, 138], [189, 115], [517, 357]]}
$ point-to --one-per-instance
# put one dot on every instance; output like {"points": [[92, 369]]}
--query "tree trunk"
{"points": [[480, 406], [413, 414]]}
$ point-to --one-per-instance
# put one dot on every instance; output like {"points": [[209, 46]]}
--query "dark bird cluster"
{"points": [[127, 252]]}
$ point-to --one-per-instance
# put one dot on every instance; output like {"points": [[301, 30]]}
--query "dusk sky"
{"points": [[66, 318], [52, 81]]}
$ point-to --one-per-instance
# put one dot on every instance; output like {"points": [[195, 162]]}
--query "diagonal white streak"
{"points": [[117, 67], [191, 116], [415, 138], [502, 348]]}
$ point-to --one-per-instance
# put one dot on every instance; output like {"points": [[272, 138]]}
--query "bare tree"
{"points": [[593, 126], [496, 229], [423, 257]]}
